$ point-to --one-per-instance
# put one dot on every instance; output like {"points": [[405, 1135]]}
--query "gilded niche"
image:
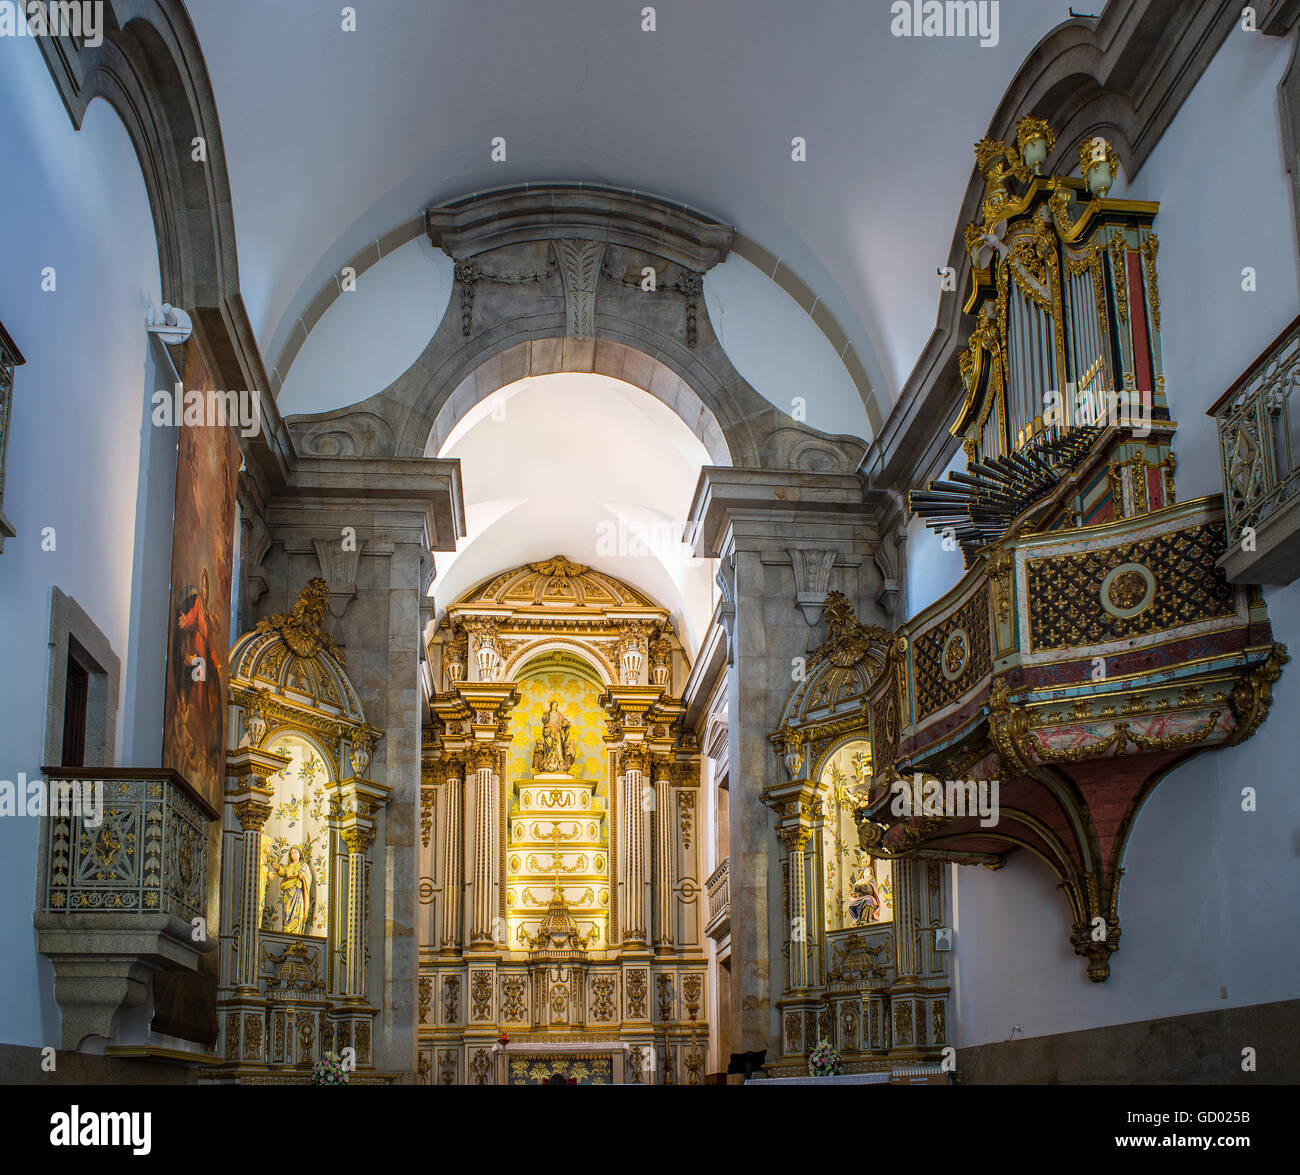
{"points": [[295, 841], [858, 889]]}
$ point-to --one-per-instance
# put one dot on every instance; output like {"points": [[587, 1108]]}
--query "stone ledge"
{"points": [[104, 965]]}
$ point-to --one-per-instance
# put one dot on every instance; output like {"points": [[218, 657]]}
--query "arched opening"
{"points": [[615, 361], [585, 464]]}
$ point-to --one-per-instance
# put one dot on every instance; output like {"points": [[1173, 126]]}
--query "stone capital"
{"points": [[760, 507], [251, 767]]}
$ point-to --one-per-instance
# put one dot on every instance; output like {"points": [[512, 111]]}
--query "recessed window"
{"points": [[76, 693]]}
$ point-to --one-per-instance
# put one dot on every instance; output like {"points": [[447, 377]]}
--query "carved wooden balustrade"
{"points": [[125, 840], [123, 897]]}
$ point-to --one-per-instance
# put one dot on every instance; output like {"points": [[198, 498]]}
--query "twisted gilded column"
{"points": [[795, 839], [453, 854], [635, 761], [485, 845], [662, 866]]}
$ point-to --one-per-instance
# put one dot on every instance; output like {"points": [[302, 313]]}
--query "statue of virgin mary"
{"points": [[554, 752]]}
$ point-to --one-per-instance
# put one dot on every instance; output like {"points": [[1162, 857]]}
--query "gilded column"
{"points": [[635, 762], [795, 839], [358, 840], [485, 845], [663, 858], [905, 920], [453, 854], [253, 815]]}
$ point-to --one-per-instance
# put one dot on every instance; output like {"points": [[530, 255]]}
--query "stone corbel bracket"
{"points": [[812, 578], [339, 559]]}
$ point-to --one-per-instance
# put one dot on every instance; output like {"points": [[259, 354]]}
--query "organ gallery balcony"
{"points": [[1261, 481], [1104, 632]]}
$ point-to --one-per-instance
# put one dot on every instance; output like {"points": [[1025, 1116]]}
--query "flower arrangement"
{"points": [[330, 1071], [824, 1061]]}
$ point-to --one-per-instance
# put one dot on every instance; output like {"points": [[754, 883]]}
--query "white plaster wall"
{"points": [[1225, 204], [778, 348], [1208, 896], [372, 334], [75, 201], [931, 570]]}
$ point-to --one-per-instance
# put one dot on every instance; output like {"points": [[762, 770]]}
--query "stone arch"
{"points": [[150, 69], [537, 657], [548, 281], [604, 357]]}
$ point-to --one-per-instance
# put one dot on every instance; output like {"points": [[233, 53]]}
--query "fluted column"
{"points": [[453, 854], [485, 846], [795, 839], [905, 920], [663, 857], [357, 840], [253, 815], [635, 762]]}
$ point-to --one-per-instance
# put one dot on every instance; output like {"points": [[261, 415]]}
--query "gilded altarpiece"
{"points": [[300, 818], [561, 897], [857, 928]]}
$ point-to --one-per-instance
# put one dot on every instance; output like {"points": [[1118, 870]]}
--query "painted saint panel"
{"points": [[859, 890], [295, 842]]}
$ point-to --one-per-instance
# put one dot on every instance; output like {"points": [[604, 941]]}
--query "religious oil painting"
{"points": [[194, 708]]}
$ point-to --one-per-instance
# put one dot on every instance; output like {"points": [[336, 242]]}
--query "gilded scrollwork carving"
{"points": [[1252, 696]]}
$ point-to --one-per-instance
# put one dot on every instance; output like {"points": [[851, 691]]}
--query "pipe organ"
{"points": [[1094, 641], [1063, 366]]}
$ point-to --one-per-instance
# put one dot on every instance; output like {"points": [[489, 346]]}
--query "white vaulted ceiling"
{"points": [[584, 466], [334, 138]]}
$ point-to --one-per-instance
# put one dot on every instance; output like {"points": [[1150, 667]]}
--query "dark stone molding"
{"points": [[549, 212], [1202, 1048], [1123, 75], [1288, 102]]}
